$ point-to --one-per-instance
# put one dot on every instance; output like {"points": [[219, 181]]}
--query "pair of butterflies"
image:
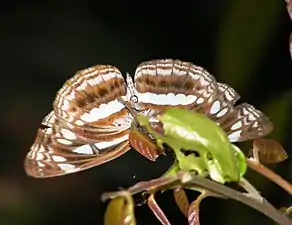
{"points": [[92, 113]]}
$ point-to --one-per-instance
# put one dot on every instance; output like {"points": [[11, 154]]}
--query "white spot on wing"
{"points": [[103, 111], [169, 99], [222, 112], [40, 164], [39, 156], [163, 72], [41, 149], [64, 141], [68, 134], [235, 135], [189, 100], [65, 106], [82, 86], [252, 116], [86, 149], [95, 81], [57, 158], [215, 107], [67, 167], [200, 100], [79, 122], [106, 144], [237, 125]]}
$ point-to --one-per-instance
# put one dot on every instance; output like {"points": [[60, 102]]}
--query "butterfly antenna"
{"points": [[129, 106]]}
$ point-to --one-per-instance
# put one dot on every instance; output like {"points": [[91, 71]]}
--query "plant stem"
{"points": [[260, 168], [188, 181], [157, 211], [262, 206]]}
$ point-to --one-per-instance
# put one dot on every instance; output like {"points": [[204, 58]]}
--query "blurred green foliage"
{"points": [[279, 110], [244, 39]]}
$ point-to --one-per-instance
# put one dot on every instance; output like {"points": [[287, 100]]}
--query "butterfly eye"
{"points": [[134, 99]]}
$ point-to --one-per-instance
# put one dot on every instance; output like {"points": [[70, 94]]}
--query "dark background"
{"points": [[242, 42]]}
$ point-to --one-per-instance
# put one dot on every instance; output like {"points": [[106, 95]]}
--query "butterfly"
{"points": [[92, 113]]}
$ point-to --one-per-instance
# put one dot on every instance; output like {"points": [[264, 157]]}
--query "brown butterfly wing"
{"points": [[241, 122], [168, 83], [245, 123], [58, 151], [88, 126], [165, 83]]}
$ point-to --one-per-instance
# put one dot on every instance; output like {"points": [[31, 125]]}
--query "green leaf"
{"points": [[199, 144]]}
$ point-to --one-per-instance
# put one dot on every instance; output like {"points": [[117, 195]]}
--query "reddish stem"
{"points": [[270, 175]]}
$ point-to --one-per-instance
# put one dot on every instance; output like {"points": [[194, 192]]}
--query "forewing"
{"points": [[244, 123], [167, 83], [89, 125], [58, 151], [88, 103]]}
